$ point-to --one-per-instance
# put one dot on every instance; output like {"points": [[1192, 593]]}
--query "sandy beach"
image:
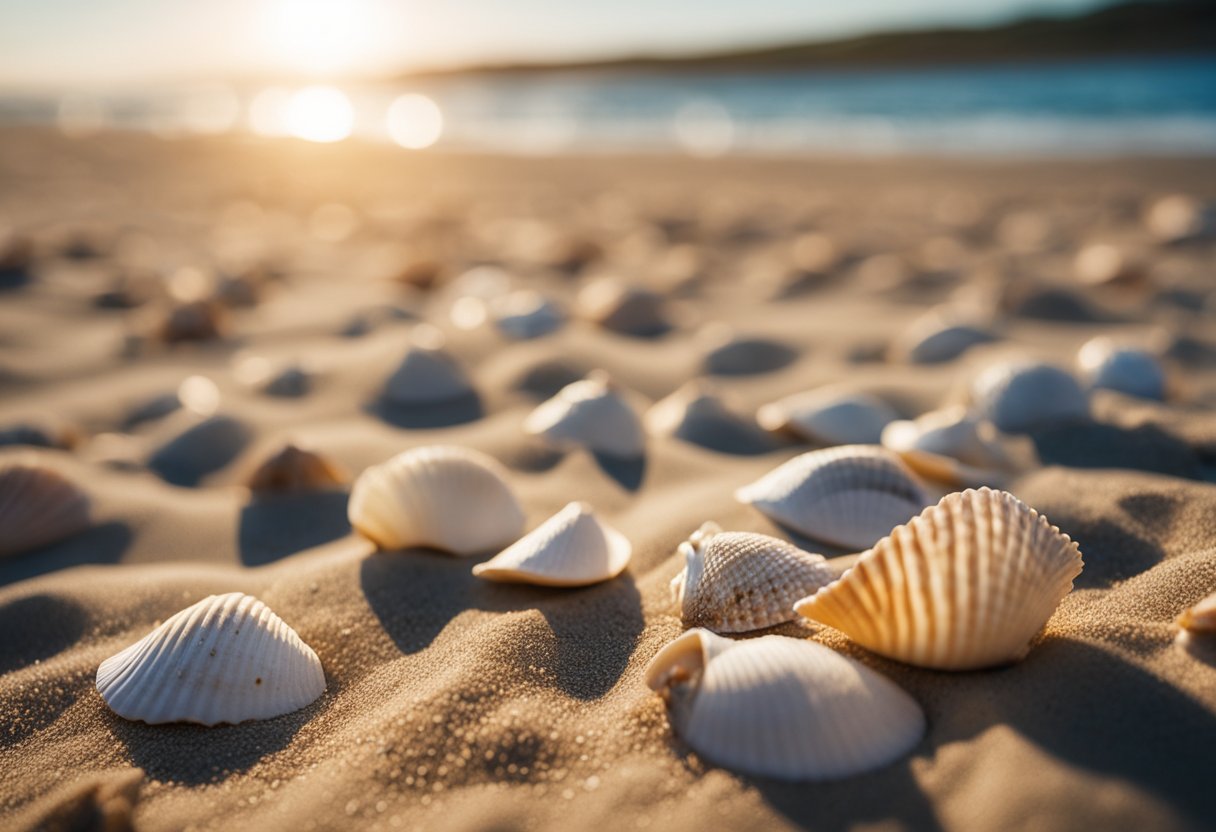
{"points": [[454, 703]]}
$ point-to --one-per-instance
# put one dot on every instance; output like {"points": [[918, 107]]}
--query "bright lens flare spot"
{"points": [[319, 114], [415, 121], [319, 36]]}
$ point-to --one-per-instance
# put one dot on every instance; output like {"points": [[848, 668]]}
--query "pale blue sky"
{"points": [[107, 42]]}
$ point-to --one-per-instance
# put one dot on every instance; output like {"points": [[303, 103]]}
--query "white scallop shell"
{"points": [[850, 495], [783, 707], [1021, 396], [590, 413], [38, 506], [935, 338], [734, 582], [572, 548], [966, 584], [227, 658], [1107, 365], [426, 376], [526, 314], [451, 498], [952, 446], [829, 416], [630, 310]]}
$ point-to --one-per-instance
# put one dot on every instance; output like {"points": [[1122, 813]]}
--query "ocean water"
{"points": [[1097, 107]]}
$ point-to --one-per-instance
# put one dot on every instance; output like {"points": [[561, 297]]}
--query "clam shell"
{"points": [[935, 338], [782, 707], [38, 506], [227, 658], [572, 548], [1200, 618], [1021, 396], [695, 414], [590, 413], [829, 416], [630, 310], [526, 314], [292, 468], [734, 582], [966, 584], [728, 353], [450, 498], [851, 495], [1107, 365], [952, 446], [426, 376]]}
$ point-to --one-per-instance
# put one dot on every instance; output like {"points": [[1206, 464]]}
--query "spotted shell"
{"points": [[734, 582], [426, 376], [783, 707], [967, 584], [829, 416], [1107, 365], [1022, 396], [591, 413], [450, 498], [572, 548], [227, 658], [38, 507]]}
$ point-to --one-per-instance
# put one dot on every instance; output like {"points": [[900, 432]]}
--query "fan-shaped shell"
{"points": [[1107, 365], [426, 376], [1021, 396], [450, 498], [695, 414], [952, 446], [591, 413], [734, 582], [966, 584], [227, 658], [572, 548], [292, 468], [782, 707], [850, 496], [829, 416], [630, 310], [38, 506], [526, 314]]}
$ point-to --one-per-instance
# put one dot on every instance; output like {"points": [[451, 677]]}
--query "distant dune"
{"points": [[1147, 27]]}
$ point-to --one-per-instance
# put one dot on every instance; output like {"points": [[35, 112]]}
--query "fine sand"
{"points": [[454, 703]]}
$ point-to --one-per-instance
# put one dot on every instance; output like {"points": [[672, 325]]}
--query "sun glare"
{"points": [[415, 121], [319, 114], [317, 36]]}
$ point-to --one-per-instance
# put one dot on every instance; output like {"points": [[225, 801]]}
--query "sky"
{"points": [[96, 43]]}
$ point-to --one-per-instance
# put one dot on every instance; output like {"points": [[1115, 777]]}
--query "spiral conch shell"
{"points": [[734, 582], [966, 584], [227, 658], [783, 707], [451, 498], [591, 413], [38, 506], [572, 548], [850, 495]]}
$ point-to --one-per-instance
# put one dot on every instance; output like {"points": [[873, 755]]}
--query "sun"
{"points": [[319, 114], [316, 36]]}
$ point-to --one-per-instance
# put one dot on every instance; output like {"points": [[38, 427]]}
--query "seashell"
{"points": [[196, 320], [1106, 365], [451, 498], [571, 548], [590, 413], [1177, 218], [730, 354], [952, 446], [782, 707], [966, 584], [829, 416], [1200, 618], [850, 495], [294, 469], [1021, 396], [935, 338], [695, 414], [420, 274], [734, 582], [1102, 264], [43, 433], [526, 314], [227, 658], [38, 507], [426, 376], [630, 310]]}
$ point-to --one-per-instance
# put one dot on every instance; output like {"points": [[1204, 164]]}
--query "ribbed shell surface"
{"points": [[451, 498], [38, 506], [734, 582], [592, 414], [967, 584], [572, 548], [426, 377], [786, 708], [227, 658], [851, 495], [1021, 397]]}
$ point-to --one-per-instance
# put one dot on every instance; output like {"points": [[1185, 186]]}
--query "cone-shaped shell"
{"points": [[295, 469], [782, 707], [734, 582], [954, 447], [630, 310], [227, 658], [850, 496], [1019, 397], [572, 548], [526, 314], [38, 506], [829, 417], [1107, 365], [451, 498], [590, 413], [966, 584], [426, 376]]}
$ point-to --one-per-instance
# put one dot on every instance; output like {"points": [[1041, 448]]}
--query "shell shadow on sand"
{"points": [[1098, 445], [274, 526], [627, 471], [200, 450], [423, 416], [594, 629], [101, 544]]}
